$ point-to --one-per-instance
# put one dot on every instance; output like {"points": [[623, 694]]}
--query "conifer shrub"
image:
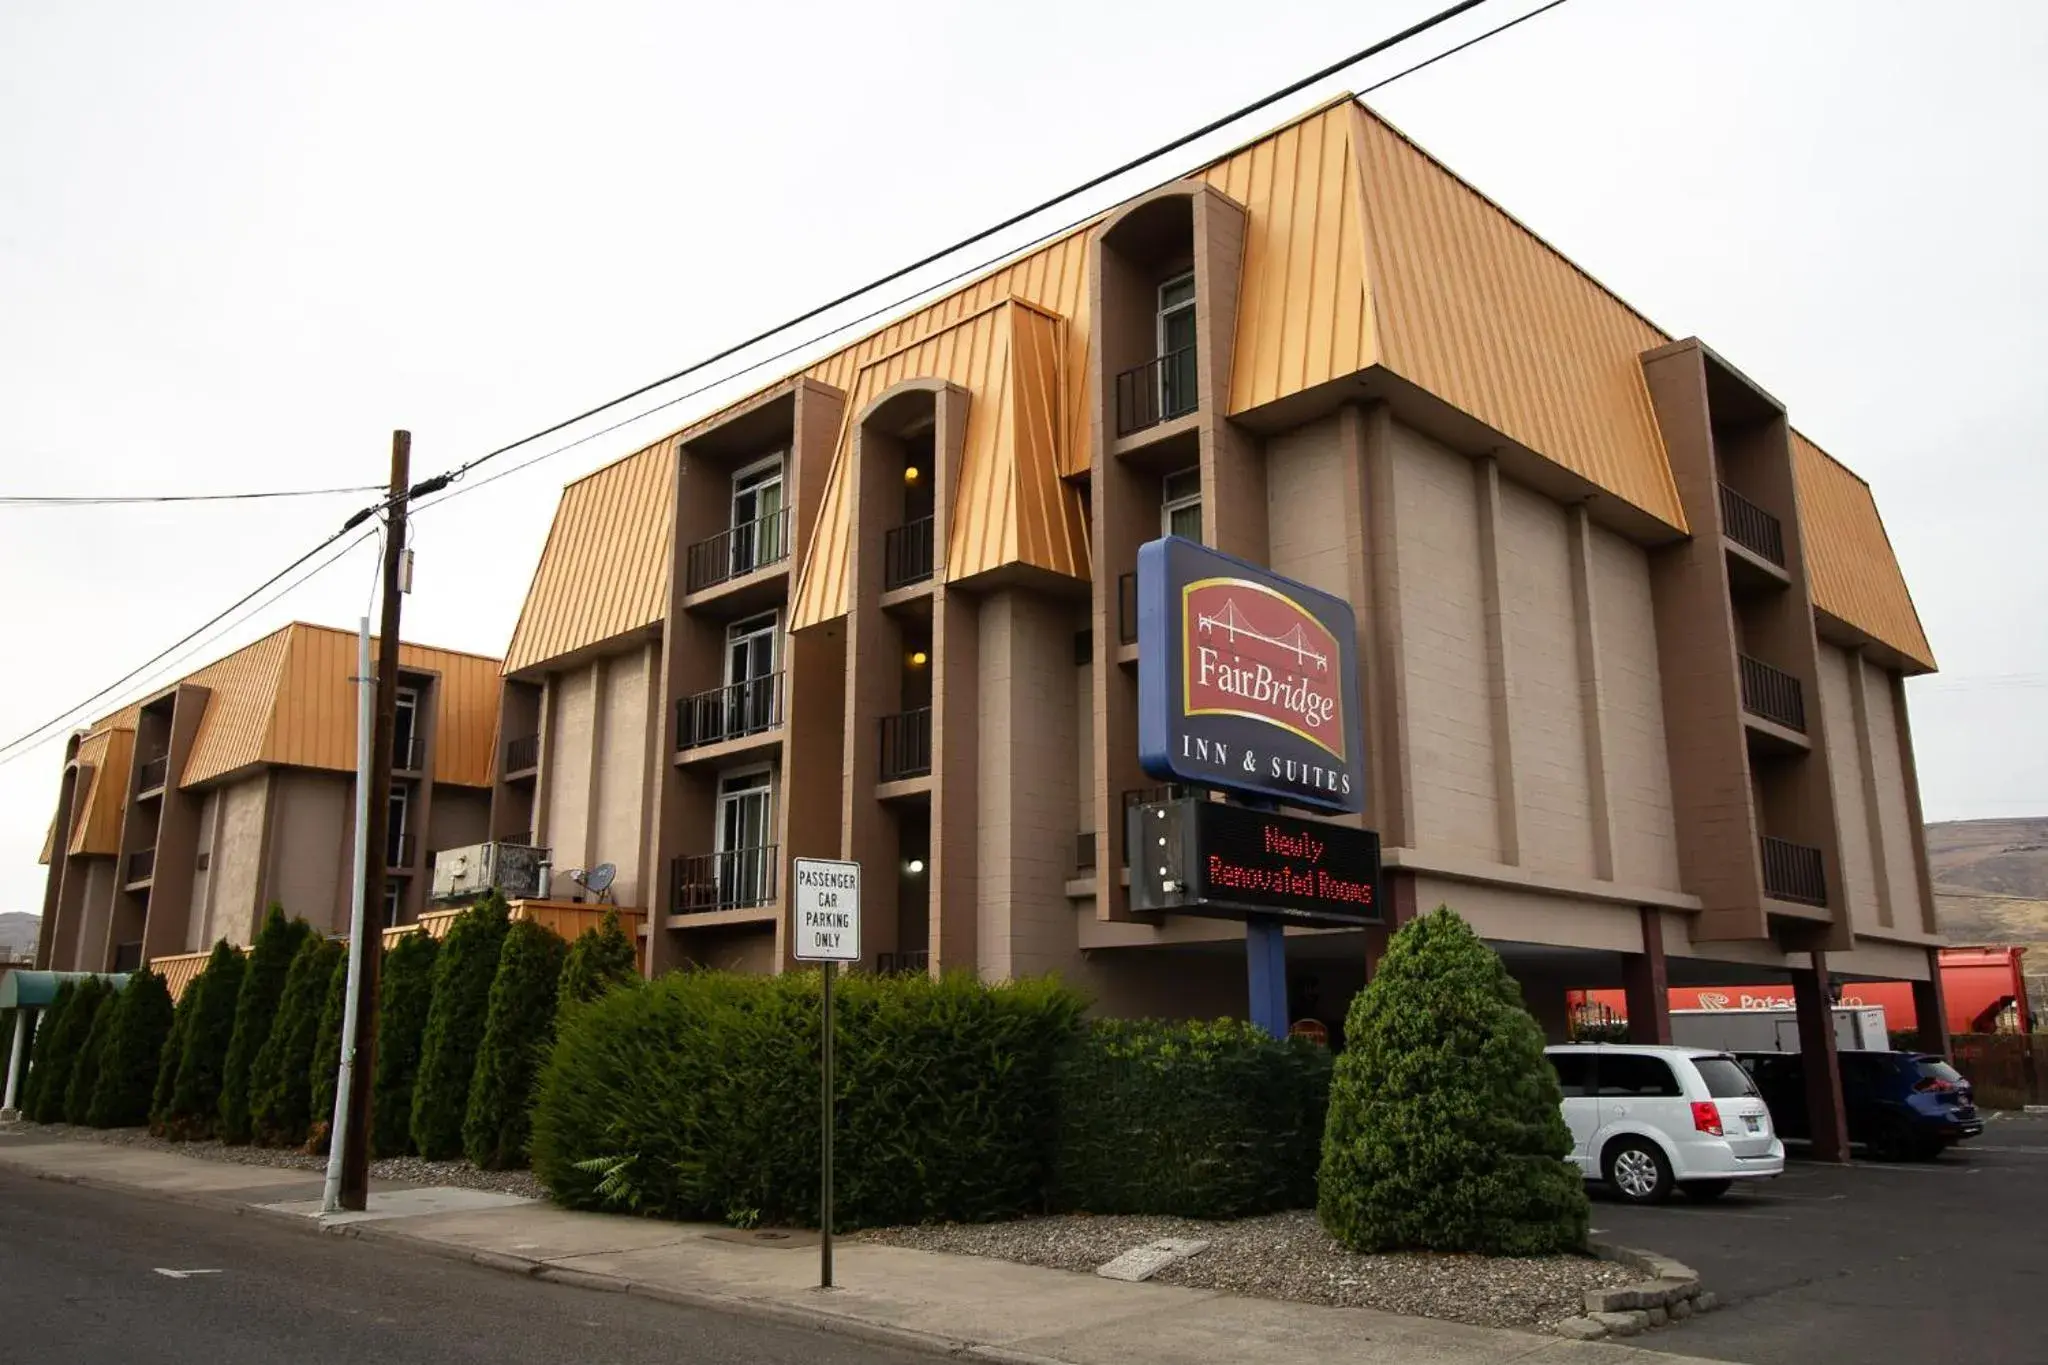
{"points": [[68, 1031], [518, 1030], [280, 1079], [1199, 1120], [1445, 1130], [263, 982], [128, 1065], [42, 1056], [697, 1097], [600, 960], [214, 993], [326, 1073], [463, 972], [405, 994], [85, 1069], [167, 1062]]}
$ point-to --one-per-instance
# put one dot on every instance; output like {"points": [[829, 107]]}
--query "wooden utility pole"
{"points": [[355, 1153]]}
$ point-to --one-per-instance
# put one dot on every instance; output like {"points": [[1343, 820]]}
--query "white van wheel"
{"points": [[1637, 1171]]}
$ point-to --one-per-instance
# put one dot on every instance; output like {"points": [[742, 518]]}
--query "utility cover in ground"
{"points": [[826, 911]]}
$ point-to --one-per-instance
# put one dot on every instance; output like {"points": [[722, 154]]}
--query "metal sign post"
{"points": [[826, 929]]}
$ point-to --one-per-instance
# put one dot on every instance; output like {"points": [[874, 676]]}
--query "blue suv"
{"points": [[1901, 1106]]}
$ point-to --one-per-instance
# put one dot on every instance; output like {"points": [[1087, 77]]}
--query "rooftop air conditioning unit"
{"points": [[466, 873]]}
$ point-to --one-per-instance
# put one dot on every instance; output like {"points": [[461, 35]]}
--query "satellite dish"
{"points": [[599, 879]]}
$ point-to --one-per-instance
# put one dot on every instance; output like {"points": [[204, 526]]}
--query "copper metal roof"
{"points": [[1855, 575]]}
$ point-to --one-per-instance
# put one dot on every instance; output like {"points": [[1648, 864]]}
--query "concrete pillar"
{"points": [[1649, 992], [1826, 1121], [14, 1060], [1930, 1009]]}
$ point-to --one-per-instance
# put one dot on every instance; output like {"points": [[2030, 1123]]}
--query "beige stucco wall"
{"points": [[620, 830], [1163, 983], [312, 847], [202, 869], [461, 816], [1305, 507], [1845, 776], [746, 949], [1632, 715], [570, 734], [1894, 817], [1527, 916], [1444, 648], [89, 949], [237, 872]]}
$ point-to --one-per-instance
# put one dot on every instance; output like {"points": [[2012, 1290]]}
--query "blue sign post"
{"points": [[1248, 684]]}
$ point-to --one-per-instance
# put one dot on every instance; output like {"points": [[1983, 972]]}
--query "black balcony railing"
{"points": [[400, 849], [737, 879], [1156, 391], [907, 554], [738, 551], [1773, 694], [1794, 872], [1127, 609], [917, 962], [1751, 527], [1084, 851], [907, 744], [153, 774], [141, 865], [522, 755], [743, 708], [1143, 796], [408, 753]]}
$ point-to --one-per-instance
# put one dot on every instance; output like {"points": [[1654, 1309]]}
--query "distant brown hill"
{"points": [[18, 934], [1991, 885]]}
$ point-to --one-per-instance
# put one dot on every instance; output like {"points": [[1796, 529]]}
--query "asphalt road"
{"points": [[1870, 1264], [80, 1282]]}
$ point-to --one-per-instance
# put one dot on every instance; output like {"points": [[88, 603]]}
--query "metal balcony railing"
{"points": [[1084, 851], [1773, 694], [1794, 872], [153, 774], [907, 744], [1127, 609], [522, 755], [141, 865], [907, 554], [1751, 527], [408, 753], [1143, 796], [738, 550], [743, 708], [914, 963], [1157, 391], [401, 851], [737, 879]]}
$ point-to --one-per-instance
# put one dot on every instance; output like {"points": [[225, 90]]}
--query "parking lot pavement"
{"points": [[1869, 1264]]}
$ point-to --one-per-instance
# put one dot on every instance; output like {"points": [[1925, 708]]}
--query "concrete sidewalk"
{"points": [[956, 1305]]}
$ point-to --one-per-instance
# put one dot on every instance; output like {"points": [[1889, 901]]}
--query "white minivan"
{"points": [[1648, 1119]]}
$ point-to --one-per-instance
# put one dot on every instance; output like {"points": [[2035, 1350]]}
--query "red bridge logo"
{"points": [[1255, 652]]}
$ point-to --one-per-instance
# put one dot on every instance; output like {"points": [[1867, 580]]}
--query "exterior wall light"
{"points": [[916, 866], [918, 658], [911, 474]]}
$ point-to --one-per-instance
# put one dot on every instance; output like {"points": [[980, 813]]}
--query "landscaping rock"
{"points": [[1659, 1316], [1705, 1302], [1142, 1263], [1681, 1310], [1626, 1324], [1580, 1329]]}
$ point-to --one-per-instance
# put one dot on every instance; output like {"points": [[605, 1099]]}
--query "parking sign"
{"points": [[827, 911]]}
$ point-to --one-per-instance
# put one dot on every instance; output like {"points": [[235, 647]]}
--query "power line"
{"points": [[115, 500]]}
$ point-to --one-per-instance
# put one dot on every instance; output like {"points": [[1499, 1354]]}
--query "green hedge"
{"points": [[518, 1031], [85, 1071], [1446, 1130], [270, 963], [133, 1053], [1202, 1120], [326, 1073], [600, 960], [281, 1077], [463, 973], [405, 994], [42, 1056], [168, 1059], [68, 1029], [697, 1097], [195, 1099]]}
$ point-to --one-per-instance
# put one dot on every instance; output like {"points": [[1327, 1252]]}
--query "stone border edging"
{"points": [[1670, 1292]]}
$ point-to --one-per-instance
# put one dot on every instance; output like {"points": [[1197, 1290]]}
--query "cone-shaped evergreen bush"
{"points": [[270, 962], [85, 1071], [463, 973], [1446, 1130], [280, 1079], [134, 1048], [42, 1057], [195, 1100], [68, 1032], [405, 993], [599, 960], [518, 1030], [327, 1058], [167, 1061]]}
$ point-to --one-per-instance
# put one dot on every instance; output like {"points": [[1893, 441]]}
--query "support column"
{"points": [[1826, 1121], [15, 1057], [1499, 666], [1265, 948], [1649, 993], [1930, 1009]]}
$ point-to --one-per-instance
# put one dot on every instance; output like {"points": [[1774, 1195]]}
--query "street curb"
{"points": [[1669, 1293]]}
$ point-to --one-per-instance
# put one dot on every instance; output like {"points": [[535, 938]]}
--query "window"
{"points": [[1177, 314], [395, 842], [746, 851], [1626, 1075], [404, 751], [750, 675], [1574, 1072], [757, 529], [1180, 510], [390, 905], [1725, 1079]]}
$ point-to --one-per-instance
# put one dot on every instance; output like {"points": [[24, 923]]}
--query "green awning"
{"points": [[38, 989]]}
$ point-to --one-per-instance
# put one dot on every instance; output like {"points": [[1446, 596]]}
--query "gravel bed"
{"points": [[1289, 1256], [406, 1168]]}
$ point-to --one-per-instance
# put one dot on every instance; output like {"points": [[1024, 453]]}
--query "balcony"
{"points": [[1156, 391], [1794, 872], [152, 776], [915, 963], [907, 554], [1127, 609], [1084, 852], [738, 709], [128, 956], [141, 867], [1751, 527], [522, 755], [907, 744], [1772, 694], [738, 551], [402, 851], [737, 879], [408, 753]]}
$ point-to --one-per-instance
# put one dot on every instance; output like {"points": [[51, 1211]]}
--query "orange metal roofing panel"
{"points": [[1479, 311], [1048, 527], [96, 808], [604, 571], [1849, 560], [243, 687]]}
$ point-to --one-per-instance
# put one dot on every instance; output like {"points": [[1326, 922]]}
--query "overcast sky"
{"points": [[240, 243]]}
